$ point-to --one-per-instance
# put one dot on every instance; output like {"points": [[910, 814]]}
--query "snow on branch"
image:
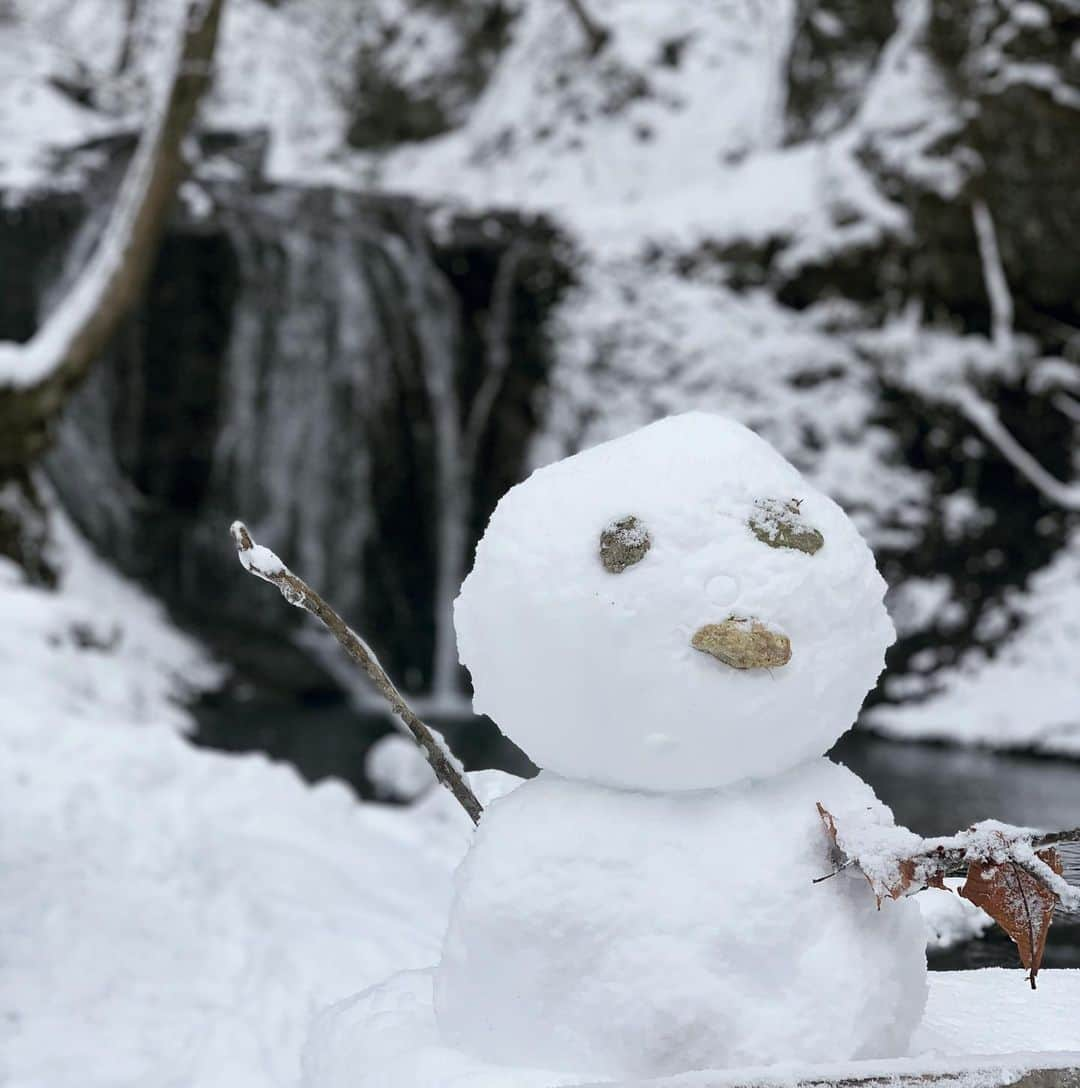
{"points": [[35, 376], [979, 411], [1012, 873], [985, 418], [997, 285], [264, 564]]}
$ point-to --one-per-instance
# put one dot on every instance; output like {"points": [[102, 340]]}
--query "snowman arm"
{"points": [[264, 564], [896, 862]]}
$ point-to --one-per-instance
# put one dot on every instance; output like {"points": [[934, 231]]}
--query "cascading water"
{"points": [[326, 367]]}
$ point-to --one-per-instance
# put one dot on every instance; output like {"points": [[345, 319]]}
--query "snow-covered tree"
{"points": [[36, 377]]}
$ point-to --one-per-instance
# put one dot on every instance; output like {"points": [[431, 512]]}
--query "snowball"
{"points": [[398, 768], [595, 575], [621, 933]]}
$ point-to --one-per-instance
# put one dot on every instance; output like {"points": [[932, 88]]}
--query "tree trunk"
{"points": [[37, 377]]}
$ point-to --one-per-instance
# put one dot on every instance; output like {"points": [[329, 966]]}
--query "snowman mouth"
{"points": [[743, 642]]}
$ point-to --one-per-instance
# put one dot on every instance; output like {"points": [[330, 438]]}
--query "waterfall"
{"points": [[325, 367]]}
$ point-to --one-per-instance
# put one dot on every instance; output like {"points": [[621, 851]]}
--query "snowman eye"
{"points": [[780, 524], [623, 543]]}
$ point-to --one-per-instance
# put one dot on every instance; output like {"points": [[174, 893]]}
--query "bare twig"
{"points": [[977, 409], [986, 419], [994, 278], [952, 856], [596, 34], [264, 564]]}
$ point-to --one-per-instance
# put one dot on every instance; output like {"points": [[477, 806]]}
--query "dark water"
{"points": [[932, 789]]}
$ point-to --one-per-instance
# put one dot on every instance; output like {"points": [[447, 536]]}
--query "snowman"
{"points": [[675, 626]]}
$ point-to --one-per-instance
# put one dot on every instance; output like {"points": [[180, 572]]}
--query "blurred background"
{"points": [[421, 247]]}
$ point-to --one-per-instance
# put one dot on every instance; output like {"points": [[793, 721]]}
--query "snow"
{"points": [[1025, 694], [980, 1030], [616, 932], [593, 673], [172, 915], [650, 174], [397, 769], [950, 919]]}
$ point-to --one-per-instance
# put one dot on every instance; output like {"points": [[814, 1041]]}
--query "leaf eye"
{"points": [[623, 543]]}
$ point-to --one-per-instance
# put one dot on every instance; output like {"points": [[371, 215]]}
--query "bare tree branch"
{"points": [[978, 410], [36, 377], [952, 855], [264, 564], [1067, 406], [127, 41], [997, 284], [984, 416], [595, 33]]}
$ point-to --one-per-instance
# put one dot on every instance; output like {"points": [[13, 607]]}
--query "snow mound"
{"points": [[631, 933], [950, 919], [593, 672], [171, 915]]}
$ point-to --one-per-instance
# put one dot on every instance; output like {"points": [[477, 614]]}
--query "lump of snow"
{"points": [[950, 919], [583, 662], [397, 768], [626, 933]]}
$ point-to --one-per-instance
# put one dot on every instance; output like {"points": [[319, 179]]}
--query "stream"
{"points": [[933, 789]]}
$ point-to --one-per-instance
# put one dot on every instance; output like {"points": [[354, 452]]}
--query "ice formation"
{"points": [[594, 671]]}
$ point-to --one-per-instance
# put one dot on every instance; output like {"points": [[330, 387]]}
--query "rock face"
{"points": [[354, 378]]}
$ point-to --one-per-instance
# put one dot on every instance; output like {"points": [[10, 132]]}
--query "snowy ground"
{"points": [[170, 915], [174, 916], [1026, 695]]}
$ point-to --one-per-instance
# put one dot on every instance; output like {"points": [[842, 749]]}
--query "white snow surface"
{"points": [[617, 932], [592, 673], [981, 1029], [168, 915], [949, 918], [1027, 693]]}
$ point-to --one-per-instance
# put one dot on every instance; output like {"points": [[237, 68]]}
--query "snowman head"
{"points": [[677, 609]]}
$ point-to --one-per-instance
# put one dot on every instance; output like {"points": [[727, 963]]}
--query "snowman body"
{"points": [[619, 933], [676, 626]]}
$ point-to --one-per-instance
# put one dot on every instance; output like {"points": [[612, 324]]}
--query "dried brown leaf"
{"points": [[913, 875], [1018, 902]]}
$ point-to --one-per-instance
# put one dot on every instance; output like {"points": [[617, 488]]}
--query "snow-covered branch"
{"points": [[997, 285], [978, 410], [984, 416], [1012, 873], [264, 564], [35, 377]]}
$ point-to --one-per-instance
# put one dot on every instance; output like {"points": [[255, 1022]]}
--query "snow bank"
{"points": [[950, 919], [172, 915], [1025, 695]]}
